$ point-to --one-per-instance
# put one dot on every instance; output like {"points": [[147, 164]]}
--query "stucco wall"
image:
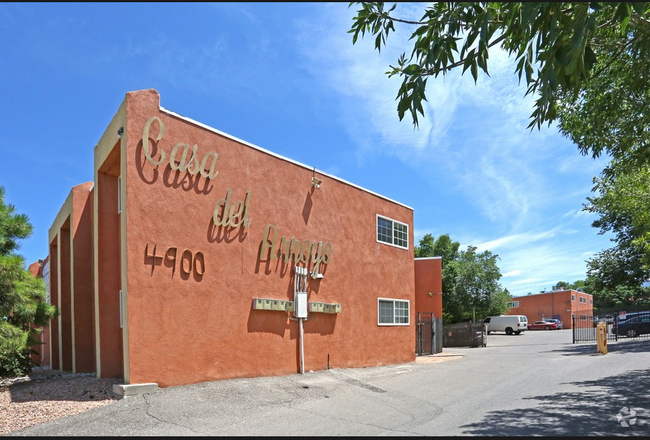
{"points": [[560, 304], [189, 322], [65, 286], [82, 229], [428, 285]]}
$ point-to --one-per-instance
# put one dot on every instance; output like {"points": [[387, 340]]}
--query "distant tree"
{"points": [[615, 277], [470, 285], [579, 285], [622, 298], [23, 308], [562, 285], [426, 247], [476, 291], [498, 304], [622, 204]]}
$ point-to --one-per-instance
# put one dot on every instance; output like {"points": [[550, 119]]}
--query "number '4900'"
{"points": [[188, 261]]}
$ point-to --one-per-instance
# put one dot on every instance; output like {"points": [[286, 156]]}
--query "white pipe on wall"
{"points": [[302, 350]]}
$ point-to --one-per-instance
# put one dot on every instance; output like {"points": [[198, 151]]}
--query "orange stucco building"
{"points": [[196, 256], [428, 285], [557, 304]]}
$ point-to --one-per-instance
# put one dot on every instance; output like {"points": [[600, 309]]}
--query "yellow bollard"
{"points": [[601, 337]]}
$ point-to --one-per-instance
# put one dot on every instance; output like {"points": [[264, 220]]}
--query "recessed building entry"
{"points": [[429, 334]]}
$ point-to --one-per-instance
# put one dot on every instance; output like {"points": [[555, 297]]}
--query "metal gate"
{"points": [[626, 325], [428, 339], [584, 329]]}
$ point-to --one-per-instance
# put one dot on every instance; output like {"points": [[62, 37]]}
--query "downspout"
{"points": [[300, 310]]}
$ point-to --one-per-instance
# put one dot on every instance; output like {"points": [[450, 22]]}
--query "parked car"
{"points": [[608, 319], [635, 326], [557, 321], [510, 324], [542, 325]]}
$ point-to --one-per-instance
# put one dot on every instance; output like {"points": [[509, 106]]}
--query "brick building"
{"points": [[557, 304]]}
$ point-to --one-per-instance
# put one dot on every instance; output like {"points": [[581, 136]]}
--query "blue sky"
{"points": [[286, 77]]}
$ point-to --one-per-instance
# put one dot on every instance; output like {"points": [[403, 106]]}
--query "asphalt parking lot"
{"points": [[538, 383]]}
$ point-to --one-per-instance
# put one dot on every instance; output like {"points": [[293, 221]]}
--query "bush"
{"points": [[14, 351]]}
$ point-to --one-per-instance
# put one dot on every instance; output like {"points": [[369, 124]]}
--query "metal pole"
{"points": [[302, 351]]}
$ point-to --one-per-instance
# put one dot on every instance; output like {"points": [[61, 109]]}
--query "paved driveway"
{"points": [[536, 383]]}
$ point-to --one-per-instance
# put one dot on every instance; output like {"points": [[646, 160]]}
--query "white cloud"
{"points": [[524, 187]]}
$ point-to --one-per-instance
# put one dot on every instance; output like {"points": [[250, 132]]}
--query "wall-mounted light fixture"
{"points": [[120, 131], [317, 276], [315, 181]]}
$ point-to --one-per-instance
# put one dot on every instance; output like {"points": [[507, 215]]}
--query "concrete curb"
{"points": [[125, 390]]}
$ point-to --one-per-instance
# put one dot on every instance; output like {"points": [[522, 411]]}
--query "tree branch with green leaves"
{"points": [[555, 44]]}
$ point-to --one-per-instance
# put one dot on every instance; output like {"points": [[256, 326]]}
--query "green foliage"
{"points": [[622, 206], [498, 304], [470, 286], [611, 113], [14, 357], [623, 298], [13, 227], [558, 47], [425, 249], [23, 308]]}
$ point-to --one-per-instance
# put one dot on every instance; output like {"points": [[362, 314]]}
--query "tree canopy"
{"points": [[558, 47], [23, 309], [587, 65]]}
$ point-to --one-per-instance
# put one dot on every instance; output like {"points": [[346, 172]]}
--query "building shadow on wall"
{"points": [[171, 178], [223, 234], [269, 321]]}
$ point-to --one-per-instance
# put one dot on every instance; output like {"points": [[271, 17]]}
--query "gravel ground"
{"points": [[47, 395]]}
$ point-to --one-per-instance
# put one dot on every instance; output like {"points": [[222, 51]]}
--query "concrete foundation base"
{"points": [[135, 389]]}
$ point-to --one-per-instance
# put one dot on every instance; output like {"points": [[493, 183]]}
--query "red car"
{"points": [[542, 325]]}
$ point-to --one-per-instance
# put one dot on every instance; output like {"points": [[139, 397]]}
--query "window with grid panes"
{"points": [[392, 232], [393, 312]]}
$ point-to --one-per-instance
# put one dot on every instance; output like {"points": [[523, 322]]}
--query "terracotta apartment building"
{"points": [[196, 256], [558, 304]]}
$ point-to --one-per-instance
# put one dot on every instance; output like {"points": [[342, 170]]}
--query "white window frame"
{"points": [[513, 304], [583, 300], [394, 315], [393, 237], [573, 298]]}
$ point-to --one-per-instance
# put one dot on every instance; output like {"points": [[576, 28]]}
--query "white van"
{"points": [[507, 323]]}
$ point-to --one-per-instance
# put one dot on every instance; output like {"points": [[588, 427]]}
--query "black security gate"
{"points": [[428, 339], [585, 330], [631, 324]]}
